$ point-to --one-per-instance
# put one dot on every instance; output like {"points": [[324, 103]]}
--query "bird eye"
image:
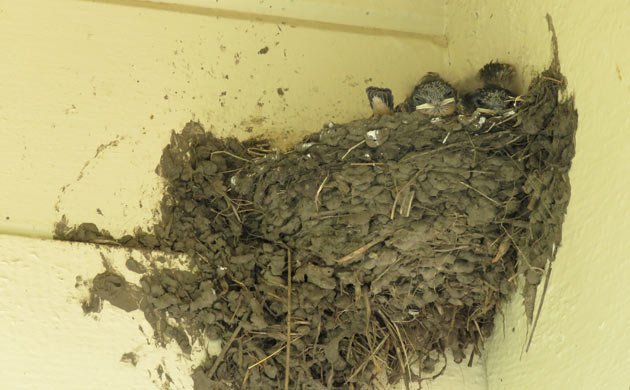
{"points": [[478, 101], [450, 93]]}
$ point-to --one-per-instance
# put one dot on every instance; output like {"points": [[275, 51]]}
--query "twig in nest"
{"points": [[261, 361], [479, 331], [480, 193], [370, 164], [368, 314], [238, 306], [288, 355], [542, 299], [368, 358], [359, 252], [259, 151], [552, 79], [104, 241], [226, 347], [507, 119], [351, 149], [334, 216], [230, 171], [229, 201], [453, 249], [406, 203], [393, 211], [523, 255], [386, 270], [407, 184], [319, 191], [401, 352], [504, 246], [472, 357], [229, 154]]}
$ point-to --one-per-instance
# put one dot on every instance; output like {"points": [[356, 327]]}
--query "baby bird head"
{"points": [[497, 74], [495, 97], [433, 96], [381, 100], [489, 100]]}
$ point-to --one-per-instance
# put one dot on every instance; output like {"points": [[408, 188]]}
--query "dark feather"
{"points": [[497, 73], [385, 94]]}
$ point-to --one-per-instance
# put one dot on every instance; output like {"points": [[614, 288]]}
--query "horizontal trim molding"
{"points": [[424, 19]]}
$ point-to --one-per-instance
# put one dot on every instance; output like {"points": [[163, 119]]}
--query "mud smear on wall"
{"points": [[399, 238]]}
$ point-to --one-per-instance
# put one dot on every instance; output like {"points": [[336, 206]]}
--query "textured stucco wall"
{"points": [[583, 336], [89, 93]]}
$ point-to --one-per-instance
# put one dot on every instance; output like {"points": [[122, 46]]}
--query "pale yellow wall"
{"points": [[583, 336], [48, 342], [76, 75], [83, 119]]}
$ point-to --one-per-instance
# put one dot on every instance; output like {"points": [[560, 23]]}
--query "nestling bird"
{"points": [[381, 100], [489, 100], [433, 96], [402, 107], [495, 96], [497, 73]]}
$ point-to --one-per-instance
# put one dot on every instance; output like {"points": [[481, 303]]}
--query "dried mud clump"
{"points": [[370, 248]]}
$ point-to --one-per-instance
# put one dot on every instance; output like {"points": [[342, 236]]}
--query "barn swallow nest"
{"points": [[399, 237]]}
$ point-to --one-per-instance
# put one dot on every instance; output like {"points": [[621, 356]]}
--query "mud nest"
{"points": [[399, 237]]}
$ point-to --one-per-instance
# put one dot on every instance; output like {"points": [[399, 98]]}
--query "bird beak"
{"points": [[429, 106], [425, 106]]}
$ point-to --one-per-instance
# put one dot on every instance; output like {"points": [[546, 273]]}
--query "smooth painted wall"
{"points": [[583, 336]]}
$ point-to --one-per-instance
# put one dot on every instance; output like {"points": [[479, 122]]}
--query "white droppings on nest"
{"points": [[437, 119], [373, 134], [306, 145]]}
